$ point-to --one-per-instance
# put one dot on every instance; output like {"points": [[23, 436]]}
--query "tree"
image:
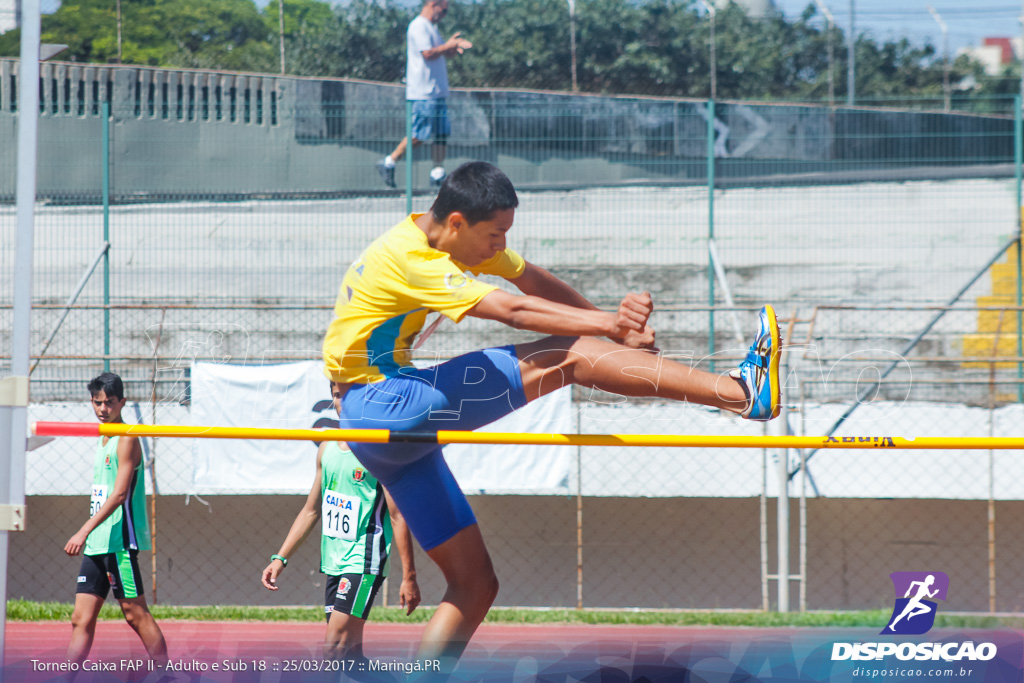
{"points": [[364, 40], [630, 47], [210, 34]]}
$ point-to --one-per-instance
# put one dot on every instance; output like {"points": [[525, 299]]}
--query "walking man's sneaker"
{"points": [[387, 174], [437, 176]]}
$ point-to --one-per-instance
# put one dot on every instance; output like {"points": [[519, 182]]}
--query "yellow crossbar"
{"points": [[449, 437]]}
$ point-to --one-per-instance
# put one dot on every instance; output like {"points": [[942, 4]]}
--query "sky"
{"points": [[968, 20]]}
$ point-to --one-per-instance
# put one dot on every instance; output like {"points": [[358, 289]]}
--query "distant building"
{"points": [[994, 53], [10, 14], [755, 8]]}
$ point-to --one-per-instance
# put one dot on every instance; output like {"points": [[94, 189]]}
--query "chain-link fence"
{"points": [[232, 204]]}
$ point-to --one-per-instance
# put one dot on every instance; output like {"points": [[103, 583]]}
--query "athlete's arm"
{"points": [[409, 591], [308, 517], [537, 281], [129, 454], [540, 314]]}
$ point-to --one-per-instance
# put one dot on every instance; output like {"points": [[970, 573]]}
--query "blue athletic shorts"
{"points": [[430, 120], [464, 393]]}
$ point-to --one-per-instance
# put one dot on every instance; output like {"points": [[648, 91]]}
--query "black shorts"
{"points": [[351, 594], [120, 571]]}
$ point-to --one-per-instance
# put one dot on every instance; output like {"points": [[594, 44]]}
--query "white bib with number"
{"points": [[99, 497], [340, 514]]}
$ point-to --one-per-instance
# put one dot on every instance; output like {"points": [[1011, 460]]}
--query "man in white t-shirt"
{"points": [[426, 86]]}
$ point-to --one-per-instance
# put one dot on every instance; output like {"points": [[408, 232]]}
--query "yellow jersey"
{"points": [[386, 295]]}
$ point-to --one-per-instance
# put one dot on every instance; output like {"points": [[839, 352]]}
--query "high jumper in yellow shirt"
{"points": [[419, 266]]}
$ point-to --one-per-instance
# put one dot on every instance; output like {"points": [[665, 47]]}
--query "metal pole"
{"points": [[14, 404], [711, 232], [803, 497], [782, 516], [991, 470], [572, 42], [410, 154], [831, 51], [945, 55], [763, 514], [716, 263], [781, 426], [851, 60], [106, 236], [714, 59], [579, 518], [280, 30], [119, 31], [71, 302], [714, 66], [1018, 162]]}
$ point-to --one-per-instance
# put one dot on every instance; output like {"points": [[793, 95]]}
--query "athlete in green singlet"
{"points": [[117, 529], [358, 521]]}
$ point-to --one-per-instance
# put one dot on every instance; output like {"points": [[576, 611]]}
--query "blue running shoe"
{"points": [[759, 371]]}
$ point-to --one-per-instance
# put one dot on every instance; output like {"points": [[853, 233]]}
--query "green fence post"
{"points": [[106, 236], [408, 157], [711, 233], [1018, 160]]}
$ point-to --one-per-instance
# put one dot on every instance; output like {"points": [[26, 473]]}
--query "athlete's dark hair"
{"points": [[109, 383], [476, 190]]}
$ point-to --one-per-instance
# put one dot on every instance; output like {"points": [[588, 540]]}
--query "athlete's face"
{"points": [[336, 394], [107, 408], [483, 239]]}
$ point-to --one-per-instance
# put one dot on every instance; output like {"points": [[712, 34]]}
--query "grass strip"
{"points": [[25, 610]]}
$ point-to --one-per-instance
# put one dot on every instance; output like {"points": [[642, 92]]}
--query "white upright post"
{"points": [[14, 389]]}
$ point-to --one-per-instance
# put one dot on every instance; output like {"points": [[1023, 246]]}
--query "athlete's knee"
{"points": [[481, 587], [82, 620], [550, 354], [134, 614], [492, 588]]}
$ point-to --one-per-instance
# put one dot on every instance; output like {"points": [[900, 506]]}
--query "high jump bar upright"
{"points": [[449, 437]]}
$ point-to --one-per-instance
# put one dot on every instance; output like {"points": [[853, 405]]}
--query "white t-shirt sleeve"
{"points": [[420, 38], [424, 79]]}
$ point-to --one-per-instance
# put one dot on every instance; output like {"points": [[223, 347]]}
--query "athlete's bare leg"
{"points": [[344, 638], [472, 587], [83, 626], [136, 613], [553, 362]]}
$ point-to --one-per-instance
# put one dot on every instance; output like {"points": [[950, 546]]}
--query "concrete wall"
{"points": [[637, 552], [182, 134]]}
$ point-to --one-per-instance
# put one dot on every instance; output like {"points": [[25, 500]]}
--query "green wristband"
{"points": [[284, 560]]}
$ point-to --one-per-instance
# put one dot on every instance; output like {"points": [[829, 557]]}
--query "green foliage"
{"points": [[365, 40], [641, 47]]}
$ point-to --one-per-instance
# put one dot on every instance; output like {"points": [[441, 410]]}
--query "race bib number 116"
{"points": [[340, 515]]}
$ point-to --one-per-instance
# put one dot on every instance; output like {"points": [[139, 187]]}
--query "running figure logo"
{"points": [[914, 613]]}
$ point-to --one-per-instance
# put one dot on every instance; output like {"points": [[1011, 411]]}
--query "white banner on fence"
{"points": [[296, 396]]}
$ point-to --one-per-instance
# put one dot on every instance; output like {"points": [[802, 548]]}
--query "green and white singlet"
{"points": [[356, 527], [127, 527]]}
